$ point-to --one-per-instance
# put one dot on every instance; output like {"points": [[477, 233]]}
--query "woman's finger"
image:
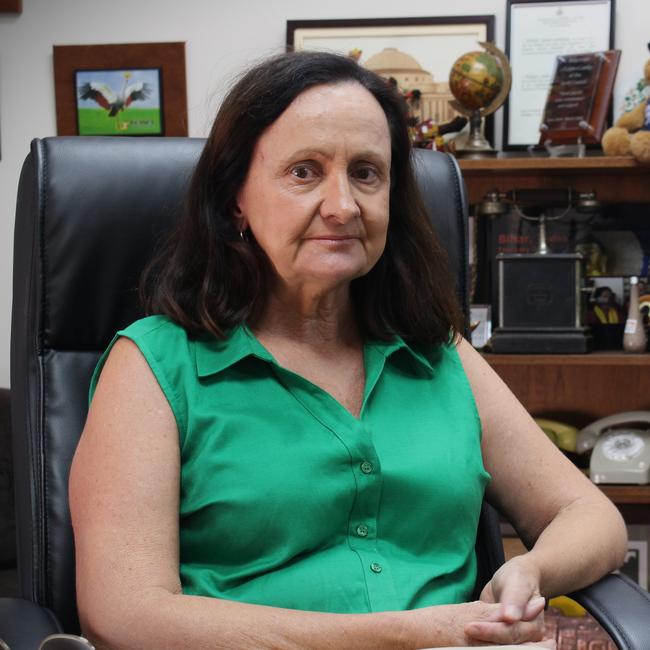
{"points": [[534, 608], [501, 633], [517, 599], [487, 595]]}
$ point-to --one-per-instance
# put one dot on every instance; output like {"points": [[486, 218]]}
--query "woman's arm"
{"points": [[124, 501], [574, 533]]}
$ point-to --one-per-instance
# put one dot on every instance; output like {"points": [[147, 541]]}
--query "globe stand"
{"points": [[477, 145], [466, 103]]}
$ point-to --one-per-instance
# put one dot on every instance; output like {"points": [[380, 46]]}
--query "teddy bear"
{"points": [[631, 132]]}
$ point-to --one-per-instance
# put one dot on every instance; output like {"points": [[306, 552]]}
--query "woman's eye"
{"points": [[366, 174], [302, 172]]}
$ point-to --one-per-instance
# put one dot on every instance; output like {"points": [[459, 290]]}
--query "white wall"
{"points": [[222, 37]]}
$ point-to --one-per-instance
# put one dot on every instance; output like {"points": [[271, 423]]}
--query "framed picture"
{"points": [[417, 52], [636, 565], [119, 102], [130, 89], [616, 285], [480, 322], [537, 32]]}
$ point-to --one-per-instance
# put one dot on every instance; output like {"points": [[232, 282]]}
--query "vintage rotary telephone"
{"points": [[621, 448]]}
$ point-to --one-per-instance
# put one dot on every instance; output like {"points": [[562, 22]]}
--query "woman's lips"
{"points": [[333, 237]]}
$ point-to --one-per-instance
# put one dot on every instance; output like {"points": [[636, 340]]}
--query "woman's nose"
{"points": [[338, 201]]}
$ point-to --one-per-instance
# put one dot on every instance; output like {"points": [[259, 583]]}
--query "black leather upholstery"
{"points": [[622, 608], [89, 212], [24, 624], [441, 186], [7, 518]]}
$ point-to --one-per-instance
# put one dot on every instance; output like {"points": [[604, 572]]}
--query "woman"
{"points": [[306, 403]]}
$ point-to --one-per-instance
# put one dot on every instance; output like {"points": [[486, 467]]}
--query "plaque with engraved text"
{"points": [[579, 97]]}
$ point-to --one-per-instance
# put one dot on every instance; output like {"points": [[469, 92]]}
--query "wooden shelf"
{"points": [[575, 388], [627, 494], [541, 164], [614, 179], [594, 359]]}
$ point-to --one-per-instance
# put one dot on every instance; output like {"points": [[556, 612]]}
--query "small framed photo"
{"points": [[480, 325], [636, 564], [616, 285], [119, 102]]}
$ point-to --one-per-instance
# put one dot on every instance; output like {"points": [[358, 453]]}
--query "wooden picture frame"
{"points": [[169, 58], [11, 6], [434, 43], [537, 31]]}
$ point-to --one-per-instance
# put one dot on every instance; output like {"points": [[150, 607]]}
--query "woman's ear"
{"points": [[242, 224]]}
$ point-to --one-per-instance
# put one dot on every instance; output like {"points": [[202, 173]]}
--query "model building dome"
{"points": [[410, 75]]}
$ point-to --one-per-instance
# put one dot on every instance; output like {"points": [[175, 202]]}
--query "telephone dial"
{"points": [[621, 448]]}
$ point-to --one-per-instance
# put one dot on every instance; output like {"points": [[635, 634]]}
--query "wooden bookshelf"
{"points": [[576, 389]]}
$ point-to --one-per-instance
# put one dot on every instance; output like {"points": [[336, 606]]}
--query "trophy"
{"points": [[480, 82], [540, 305], [577, 102]]}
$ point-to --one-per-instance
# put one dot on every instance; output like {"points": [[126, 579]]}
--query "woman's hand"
{"points": [[478, 623], [513, 585], [519, 615]]}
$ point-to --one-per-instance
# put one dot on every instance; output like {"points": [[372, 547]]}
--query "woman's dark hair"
{"points": [[208, 279]]}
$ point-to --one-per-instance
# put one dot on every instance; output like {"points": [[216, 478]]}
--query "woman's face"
{"points": [[316, 196]]}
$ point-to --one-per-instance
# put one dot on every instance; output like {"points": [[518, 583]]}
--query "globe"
{"points": [[476, 78]]}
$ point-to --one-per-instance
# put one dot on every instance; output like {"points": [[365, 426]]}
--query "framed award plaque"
{"points": [[579, 97]]}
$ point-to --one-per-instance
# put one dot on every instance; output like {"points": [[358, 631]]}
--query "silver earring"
{"points": [[243, 234]]}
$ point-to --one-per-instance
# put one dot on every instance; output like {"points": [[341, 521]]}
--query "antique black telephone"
{"points": [[540, 306]]}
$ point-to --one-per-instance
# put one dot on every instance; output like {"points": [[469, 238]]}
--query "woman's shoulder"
{"points": [[162, 341], [158, 333], [165, 346], [156, 325]]}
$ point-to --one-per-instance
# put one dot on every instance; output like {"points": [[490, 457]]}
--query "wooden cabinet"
{"points": [[574, 388]]}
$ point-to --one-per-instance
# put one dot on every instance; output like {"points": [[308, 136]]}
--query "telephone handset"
{"points": [[621, 448]]}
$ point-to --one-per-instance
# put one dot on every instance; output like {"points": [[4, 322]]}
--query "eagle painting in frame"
{"points": [[119, 102]]}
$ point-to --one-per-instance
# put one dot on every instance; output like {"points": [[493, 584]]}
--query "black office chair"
{"points": [[89, 213]]}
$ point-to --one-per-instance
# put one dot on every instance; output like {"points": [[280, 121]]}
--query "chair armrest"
{"points": [[24, 624], [621, 607]]}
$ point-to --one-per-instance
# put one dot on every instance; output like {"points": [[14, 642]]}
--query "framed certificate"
{"points": [[537, 32]]}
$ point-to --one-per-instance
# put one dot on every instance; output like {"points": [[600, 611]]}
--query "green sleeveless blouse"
{"points": [[286, 499]]}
